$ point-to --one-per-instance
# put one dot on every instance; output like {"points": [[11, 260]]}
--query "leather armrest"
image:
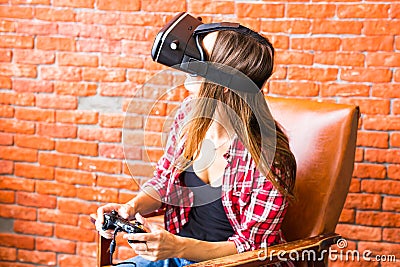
{"points": [[259, 257]]}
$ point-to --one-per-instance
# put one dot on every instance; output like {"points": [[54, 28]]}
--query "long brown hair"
{"points": [[251, 119]]}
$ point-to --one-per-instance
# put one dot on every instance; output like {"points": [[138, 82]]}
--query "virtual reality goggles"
{"points": [[178, 45]]}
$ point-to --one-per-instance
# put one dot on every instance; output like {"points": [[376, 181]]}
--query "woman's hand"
{"points": [[157, 244], [124, 210]]}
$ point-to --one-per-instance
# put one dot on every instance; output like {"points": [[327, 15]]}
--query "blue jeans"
{"points": [[141, 262]]}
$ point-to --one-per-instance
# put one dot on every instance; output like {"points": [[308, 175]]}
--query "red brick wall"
{"points": [[58, 161]]}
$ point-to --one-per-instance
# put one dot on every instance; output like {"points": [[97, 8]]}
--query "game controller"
{"points": [[114, 221]]}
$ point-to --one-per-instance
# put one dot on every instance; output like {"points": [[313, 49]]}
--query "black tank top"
{"points": [[207, 218]]}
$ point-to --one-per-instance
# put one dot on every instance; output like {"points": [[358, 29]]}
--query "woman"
{"points": [[234, 202]]}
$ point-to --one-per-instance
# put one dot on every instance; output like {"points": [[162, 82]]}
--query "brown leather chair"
{"points": [[323, 140]]}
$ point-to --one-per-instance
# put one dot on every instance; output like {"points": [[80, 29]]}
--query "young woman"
{"points": [[223, 190]]}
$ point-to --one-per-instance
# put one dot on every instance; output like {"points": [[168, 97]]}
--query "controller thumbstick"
{"points": [[113, 212]]}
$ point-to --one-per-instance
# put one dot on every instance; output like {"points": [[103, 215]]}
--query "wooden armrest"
{"points": [[259, 257]]}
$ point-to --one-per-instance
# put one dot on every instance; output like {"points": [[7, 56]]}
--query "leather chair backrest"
{"points": [[322, 137]]}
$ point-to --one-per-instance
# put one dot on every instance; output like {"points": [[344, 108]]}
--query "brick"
{"points": [[76, 206], [77, 261], [363, 201], [6, 111], [74, 59], [18, 70], [146, 107], [8, 254], [55, 245], [6, 139], [359, 232], [99, 165], [81, 30], [74, 3], [384, 90], [5, 54], [75, 177], [7, 26], [40, 257], [118, 89], [56, 101], [395, 139], [111, 120], [381, 27], [56, 216], [347, 216], [33, 227], [142, 19], [369, 106], [99, 45], [14, 41], [294, 58], [58, 160], [294, 88], [57, 130], [98, 194], [50, 14], [211, 7], [55, 188], [125, 197], [17, 241], [34, 171], [77, 117], [103, 75], [372, 139], [5, 82], [120, 5], [87, 249], [256, 10], [126, 32], [72, 74], [322, 26], [73, 88], [310, 10], [26, 85], [375, 218], [382, 156], [383, 59], [381, 186], [380, 122], [17, 212], [74, 233], [121, 182], [136, 48], [85, 222], [138, 76], [30, 114], [316, 43], [152, 155], [14, 126], [380, 248], [363, 11], [102, 135], [18, 184], [366, 75], [370, 43], [312, 74], [106, 18], [134, 138], [20, 99], [111, 151], [397, 76], [394, 171], [112, 61], [20, 12], [55, 43], [6, 167], [18, 154], [391, 235], [280, 73], [36, 200], [396, 107], [391, 203], [339, 58], [140, 169], [31, 2], [77, 147], [36, 28], [7, 197], [33, 141]]}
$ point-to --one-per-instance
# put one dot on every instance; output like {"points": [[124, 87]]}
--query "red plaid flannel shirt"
{"points": [[254, 207]]}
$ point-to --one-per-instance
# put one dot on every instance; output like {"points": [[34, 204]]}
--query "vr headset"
{"points": [[178, 45]]}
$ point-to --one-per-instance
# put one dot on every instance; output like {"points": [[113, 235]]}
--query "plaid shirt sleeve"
{"points": [[261, 213]]}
